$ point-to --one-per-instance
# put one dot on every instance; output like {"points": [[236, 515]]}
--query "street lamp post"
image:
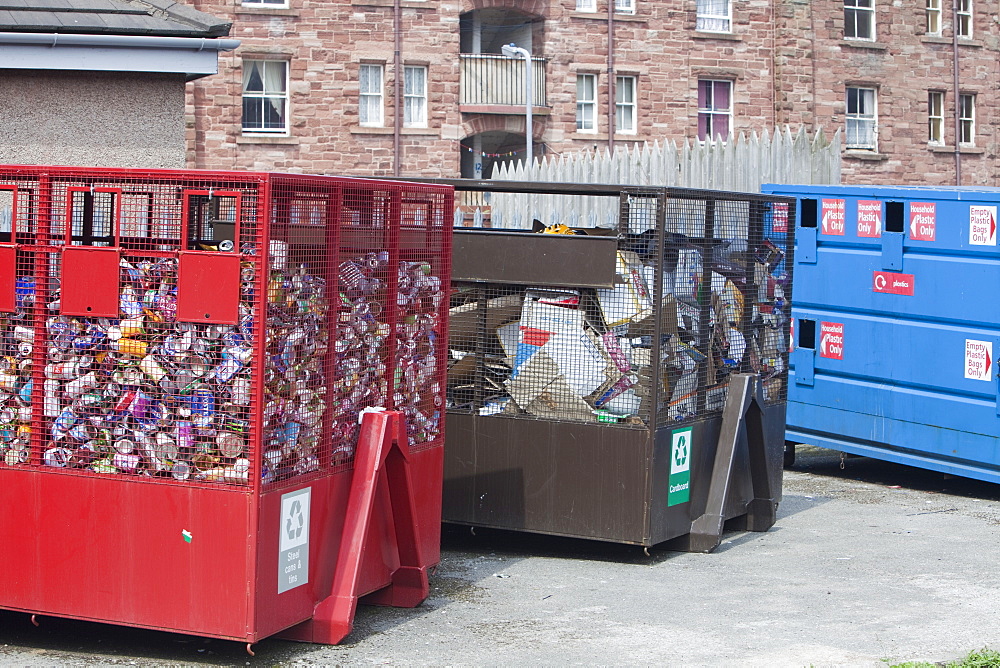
{"points": [[512, 51]]}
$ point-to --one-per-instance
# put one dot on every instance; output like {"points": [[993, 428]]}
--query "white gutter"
{"points": [[193, 56]]}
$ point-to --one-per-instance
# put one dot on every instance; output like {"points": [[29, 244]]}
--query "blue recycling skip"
{"points": [[897, 325]]}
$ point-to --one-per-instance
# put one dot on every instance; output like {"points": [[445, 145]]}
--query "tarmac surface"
{"points": [[869, 564]]}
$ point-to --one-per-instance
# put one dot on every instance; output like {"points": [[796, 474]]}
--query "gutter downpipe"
{"points": [[958, 110], [397, 86], [611, 76]]}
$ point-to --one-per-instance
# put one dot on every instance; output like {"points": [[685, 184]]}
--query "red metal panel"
{"points": [[90, 281], [208, 288], [8, 278], [114, 550]]}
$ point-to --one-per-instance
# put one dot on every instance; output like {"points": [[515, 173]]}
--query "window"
{"points": [[370, 98], [265, 96], [935, 117], [625, 6], [586, 103], [415, 97], [933, 17], [967, 119], [964, 16], [714, 16], [586, 5], [715, 109], [859, 19], [625, 105], [861, 118]]}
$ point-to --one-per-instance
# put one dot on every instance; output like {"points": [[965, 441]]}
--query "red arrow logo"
{"points": [[988, 360], [993, 227]]}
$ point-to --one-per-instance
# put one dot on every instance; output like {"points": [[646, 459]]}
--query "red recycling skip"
{"points": [[892, 283]]}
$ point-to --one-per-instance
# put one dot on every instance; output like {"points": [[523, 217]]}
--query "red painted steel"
{"points": [[90, 285], [187, 356], [8, 277], [208, 288], [382, 473]]}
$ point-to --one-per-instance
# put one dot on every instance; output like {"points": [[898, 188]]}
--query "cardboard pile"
{"points": [[587, 354]]}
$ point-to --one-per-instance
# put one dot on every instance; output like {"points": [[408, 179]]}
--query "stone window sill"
{"points": [[244, 10], [603, 16], [867, 156], [428, 4], [727, 36], [964, 150], [266, 139], [862, 44], [946, 41]]}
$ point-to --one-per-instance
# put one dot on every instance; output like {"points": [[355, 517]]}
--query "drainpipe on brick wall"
{"points": [[611, 75], [958, 110], [397, 86]]}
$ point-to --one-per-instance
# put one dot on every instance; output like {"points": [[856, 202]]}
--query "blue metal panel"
{"points": [[892, 251], [899, 292]]}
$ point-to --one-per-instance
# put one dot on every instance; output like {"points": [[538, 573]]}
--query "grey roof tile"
{"points": [[118, 17]]}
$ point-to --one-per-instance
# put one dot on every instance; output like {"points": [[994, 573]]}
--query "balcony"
{"points": [[493, 84]]}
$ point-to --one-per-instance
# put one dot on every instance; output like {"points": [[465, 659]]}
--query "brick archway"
{"points": [[534, 8], [497, 123]]}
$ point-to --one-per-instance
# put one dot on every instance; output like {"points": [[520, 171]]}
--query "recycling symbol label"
{"points": [[679, 481], [293, 540], [681, 454], [295, 522], [681, 451], [294, 519]]}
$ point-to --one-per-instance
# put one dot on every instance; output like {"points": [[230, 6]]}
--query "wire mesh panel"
{"points": [[643, 331], [215, 328]]}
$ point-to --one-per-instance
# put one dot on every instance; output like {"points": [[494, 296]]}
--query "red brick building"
{"points": [[423, 88]]}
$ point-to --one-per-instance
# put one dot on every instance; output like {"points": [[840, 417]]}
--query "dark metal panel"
{"points": [[570, 479], [534, 259]]}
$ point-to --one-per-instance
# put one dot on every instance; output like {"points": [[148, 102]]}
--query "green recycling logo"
{"points": [[296, 521], [679, 482], [681, 451]]}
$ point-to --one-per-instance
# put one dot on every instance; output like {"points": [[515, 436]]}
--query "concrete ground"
{"points": [[868, 564]]}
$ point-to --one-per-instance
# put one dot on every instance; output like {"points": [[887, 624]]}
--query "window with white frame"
{"points": [[625, 90], [714, 15], [586, 5], [265, 96], [967, 119], [370, 94], [933, 17], [859, 19], [415, 96], [862, 119], [715, 109], [964, 16], [586, 103], [625, 6], [935, 117]]}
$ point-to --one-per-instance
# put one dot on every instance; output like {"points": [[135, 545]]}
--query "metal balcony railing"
{"points": [[493, 80]]}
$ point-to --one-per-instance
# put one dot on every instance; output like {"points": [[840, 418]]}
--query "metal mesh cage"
{"points": [[203, 328], [637, 318]]}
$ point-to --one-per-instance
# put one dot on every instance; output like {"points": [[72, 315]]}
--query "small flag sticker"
{"points": [[187, 535]]}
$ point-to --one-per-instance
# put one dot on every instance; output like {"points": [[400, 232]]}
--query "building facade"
{"points": [[426, 88], [102, 84]]}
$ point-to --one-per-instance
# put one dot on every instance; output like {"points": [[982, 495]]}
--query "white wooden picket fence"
{"points": [[740, 165]]}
